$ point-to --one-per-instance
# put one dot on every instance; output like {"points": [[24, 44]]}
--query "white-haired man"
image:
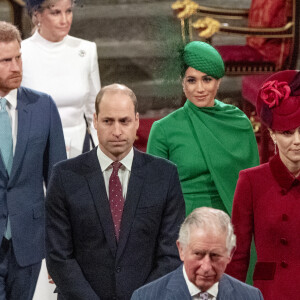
{"points": [[206, 244]]}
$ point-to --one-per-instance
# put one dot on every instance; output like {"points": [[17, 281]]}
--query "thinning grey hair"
{"points": [[207, 218]]}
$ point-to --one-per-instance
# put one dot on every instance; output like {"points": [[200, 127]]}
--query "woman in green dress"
{"points": [[209, 141]]}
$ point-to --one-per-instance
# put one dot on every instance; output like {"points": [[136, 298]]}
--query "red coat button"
{"points": [[284, 217], [284, 264], [283, 192], [283, 241]]}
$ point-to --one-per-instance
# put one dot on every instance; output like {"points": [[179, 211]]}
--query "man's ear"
{"points": [[180, 250], [95, 120], [137, 120], [231, 253]]}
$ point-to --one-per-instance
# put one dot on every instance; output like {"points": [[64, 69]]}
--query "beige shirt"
{"points": [[124, 171], [194, 290]]}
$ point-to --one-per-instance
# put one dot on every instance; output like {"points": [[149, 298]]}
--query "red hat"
{"points": [[278, 101]]}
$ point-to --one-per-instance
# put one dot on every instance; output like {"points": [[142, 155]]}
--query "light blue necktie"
{"points": [[204, 296], [6, 147]]}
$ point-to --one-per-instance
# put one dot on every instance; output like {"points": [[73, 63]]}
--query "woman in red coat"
{"points": [[267, 198]]}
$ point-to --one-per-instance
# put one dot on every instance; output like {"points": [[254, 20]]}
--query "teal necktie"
{"points": [[6, 147]]}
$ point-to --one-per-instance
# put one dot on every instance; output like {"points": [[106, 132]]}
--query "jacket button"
{"points": [[284, 264], [283, 241], [118, 269], [284, 217], [283, 192], [296, 182]]}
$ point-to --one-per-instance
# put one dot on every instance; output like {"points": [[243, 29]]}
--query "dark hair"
{"points": [[39, 6], [184, 67], [9, 32], [115, 87]]}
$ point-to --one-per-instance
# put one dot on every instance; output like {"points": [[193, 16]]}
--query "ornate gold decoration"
{"points": [[207, 27], [180, 4], [185, 8], [255, 124], [20, 2]]}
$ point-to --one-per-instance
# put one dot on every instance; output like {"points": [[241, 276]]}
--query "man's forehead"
{"points": [[114, 117], [202, 235], [9, 49], [115, 93], [12, 43], [116, 103]]}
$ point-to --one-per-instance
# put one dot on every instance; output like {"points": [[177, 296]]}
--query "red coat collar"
{"points": [[281, 173]]}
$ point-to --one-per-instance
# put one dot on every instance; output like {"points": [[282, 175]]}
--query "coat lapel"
{"points": [[96, 183], [135, 186], [225, 289], [177, 288], [24, 121], [3, 172]]}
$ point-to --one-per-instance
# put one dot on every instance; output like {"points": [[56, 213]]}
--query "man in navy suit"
{"points": [[113, 214], [206, 244], [31, 141]]}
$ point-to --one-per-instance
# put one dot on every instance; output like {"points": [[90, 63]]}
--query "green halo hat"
{"points": [[204, 58]]}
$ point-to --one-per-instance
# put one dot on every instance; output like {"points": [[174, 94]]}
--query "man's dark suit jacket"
{"points": [[83, 256], [173, 287], [40, 144]]}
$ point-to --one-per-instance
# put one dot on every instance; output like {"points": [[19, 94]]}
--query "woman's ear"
{"points": [[272, 135], [37, 17], [182, 82]]}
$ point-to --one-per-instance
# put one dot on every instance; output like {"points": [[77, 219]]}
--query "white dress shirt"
{"points": [[11, 107], [195, 291], [124, 171]]}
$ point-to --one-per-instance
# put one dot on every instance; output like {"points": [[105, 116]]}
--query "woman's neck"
{"points": [[293, 167]]}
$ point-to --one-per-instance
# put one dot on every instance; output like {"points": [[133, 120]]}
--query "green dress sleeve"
{"points": [[157, 142]]}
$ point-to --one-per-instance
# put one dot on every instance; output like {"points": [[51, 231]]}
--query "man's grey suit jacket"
{"points": [[83, 256], [173, 287]]}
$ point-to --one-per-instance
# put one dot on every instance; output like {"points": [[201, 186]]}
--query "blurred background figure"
{"points": [[63, 66], [209, 141], [266, 202], [66, 68]]}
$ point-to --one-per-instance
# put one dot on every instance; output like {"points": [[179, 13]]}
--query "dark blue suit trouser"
{"points": [[16, 283]]}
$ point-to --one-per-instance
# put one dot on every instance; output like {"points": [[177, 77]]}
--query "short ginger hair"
{"points": [[9, 32]]}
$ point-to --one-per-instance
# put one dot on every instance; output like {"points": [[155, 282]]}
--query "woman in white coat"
{"points": [[64, 67]]}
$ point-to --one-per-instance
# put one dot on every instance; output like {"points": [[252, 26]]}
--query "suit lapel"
{"points": [[225, 289], [96, 183], [135, 186], [3, 172], [24, 121], [177, 288]]}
